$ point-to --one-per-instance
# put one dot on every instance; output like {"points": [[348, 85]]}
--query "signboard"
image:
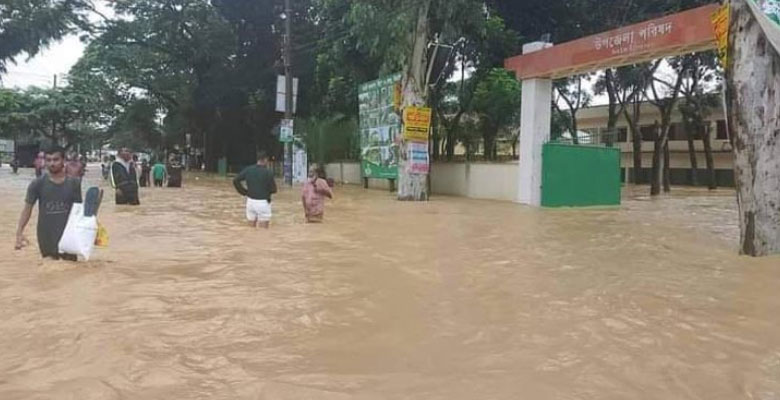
{"points": [[417, 157], [417, 123], [380, 128], [720, 22], [685, 32], [300, 163], [767, 12], [6, 146], [281, 94], [286, 131]]}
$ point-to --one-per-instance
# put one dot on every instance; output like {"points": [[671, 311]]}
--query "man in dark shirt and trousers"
{"points": [[55, 193], [260, 185], [124, 178]]}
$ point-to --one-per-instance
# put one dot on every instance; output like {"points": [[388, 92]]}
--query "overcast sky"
{"points": [[39, 71]]}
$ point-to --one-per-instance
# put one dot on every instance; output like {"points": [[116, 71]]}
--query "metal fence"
{"points": [[591, 137]]}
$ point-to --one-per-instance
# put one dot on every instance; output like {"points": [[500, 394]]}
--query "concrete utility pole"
{"points": [[53, 121], [288, 80]]}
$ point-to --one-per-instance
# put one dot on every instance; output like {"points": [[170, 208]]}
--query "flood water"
{"points": [[451, 299]]}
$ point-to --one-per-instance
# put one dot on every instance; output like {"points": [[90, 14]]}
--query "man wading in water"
{"points": [[260, 185], [124, 178], [55, 192]]}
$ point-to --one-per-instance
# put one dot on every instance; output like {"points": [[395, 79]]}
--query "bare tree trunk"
{"points": [[667, 169], [636, 141], [450, 144], [694, 172], [657, 175], [435, 138], [637, 145], [612, 108], [413, 186], [753, 98], [712, 182]]}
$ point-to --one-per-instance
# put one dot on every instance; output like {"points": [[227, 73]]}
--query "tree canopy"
{"points": [[156, 71]]}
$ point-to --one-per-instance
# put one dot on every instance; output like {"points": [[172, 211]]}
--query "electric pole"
{"points": [[53, 120], [289, 99]]}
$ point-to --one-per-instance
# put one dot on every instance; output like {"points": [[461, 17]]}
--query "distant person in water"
{"points": [[175, 171], [124, 179], [105, 168], [260, 186], [40, 163], [73, 167], [15, 165], [143, 180], [55, 193], [315, 191], [159, 173]]}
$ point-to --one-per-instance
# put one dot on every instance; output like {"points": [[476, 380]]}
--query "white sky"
{"points": [[39, 71]]}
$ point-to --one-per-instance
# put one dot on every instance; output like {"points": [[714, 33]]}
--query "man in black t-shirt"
{"points": [[260, 185], [55, 194], [124, 178]]}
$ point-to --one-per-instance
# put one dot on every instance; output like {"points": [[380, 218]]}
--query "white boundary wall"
{"points": [[489, 181]]}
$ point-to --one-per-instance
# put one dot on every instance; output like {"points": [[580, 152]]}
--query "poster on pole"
{"points": [[281, 94], [767, 12], [380, 127], [286, 130], [417, 123], [720, 22], [417, 158], [300, 162]]}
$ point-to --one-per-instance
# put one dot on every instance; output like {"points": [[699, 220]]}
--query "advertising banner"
{"points": [[300, 163], [418, 161], [417, 123], [380, 127], [286, 131], [720, 21]]}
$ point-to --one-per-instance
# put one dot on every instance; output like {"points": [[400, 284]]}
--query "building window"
{"points": [[723, 132], [622, 135], [649, 133], [678, 132]]}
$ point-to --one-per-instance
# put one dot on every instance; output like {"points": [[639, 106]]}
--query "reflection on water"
{"points": [[452, 299]]}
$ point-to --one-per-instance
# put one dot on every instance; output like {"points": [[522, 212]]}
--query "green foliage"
{"points": [[497, 102], [209, 68], [137, 127], [56, 115], [330, 139]]}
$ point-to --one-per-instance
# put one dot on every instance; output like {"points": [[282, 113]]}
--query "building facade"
{"points": [[592, 122]]}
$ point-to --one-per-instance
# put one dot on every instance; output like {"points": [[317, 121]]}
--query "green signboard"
{"points": [[380, 126]]}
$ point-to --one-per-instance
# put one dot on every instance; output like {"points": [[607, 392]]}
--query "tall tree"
{"points": [[665, 98], [629, 85], [497, 102], [399, 34], [753, 97], [700, 100], [571, 92]]}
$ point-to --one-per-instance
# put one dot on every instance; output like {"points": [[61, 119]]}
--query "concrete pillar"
{"points": [[535, 120]]}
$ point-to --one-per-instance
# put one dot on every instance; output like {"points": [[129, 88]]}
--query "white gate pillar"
{"points": [[535, 120]]}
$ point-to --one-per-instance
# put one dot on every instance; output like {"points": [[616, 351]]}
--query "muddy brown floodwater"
{"points": [[451, 299]]}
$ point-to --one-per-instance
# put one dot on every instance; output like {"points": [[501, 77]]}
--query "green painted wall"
{"points": [[580, 176]]}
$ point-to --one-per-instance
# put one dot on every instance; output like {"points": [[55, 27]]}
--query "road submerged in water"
{"points": [[451, 299]]}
